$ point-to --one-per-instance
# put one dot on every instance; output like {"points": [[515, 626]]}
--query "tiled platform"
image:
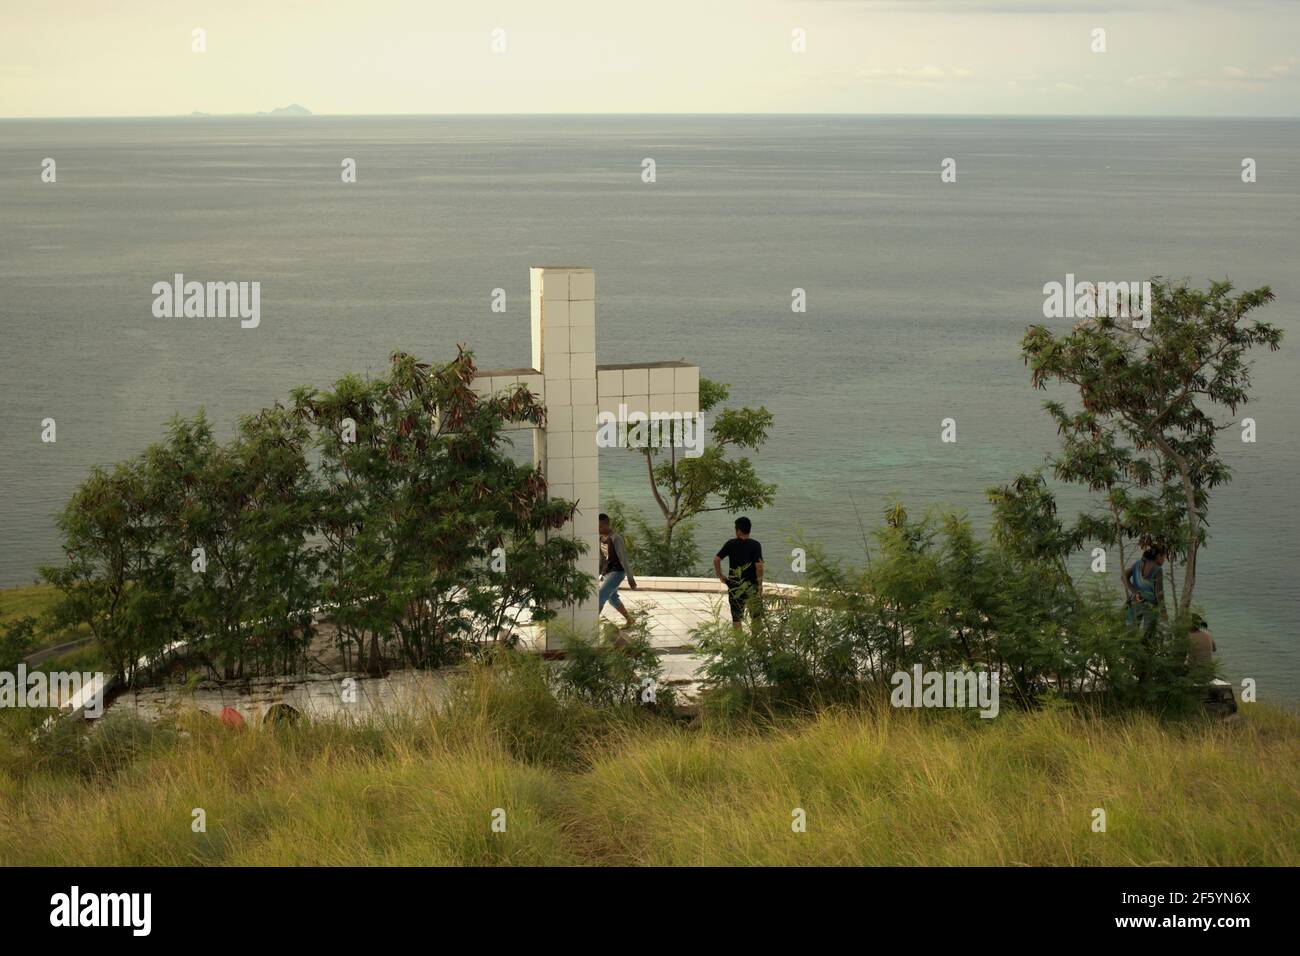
{"points": [[672, 607], [671, 615]]}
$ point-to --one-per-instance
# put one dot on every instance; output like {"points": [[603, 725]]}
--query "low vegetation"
{"points": [[28, 625], [577, 783]]}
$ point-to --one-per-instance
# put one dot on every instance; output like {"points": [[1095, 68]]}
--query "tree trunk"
{"points": [[1193, 522], [654, 488], [1119, 538]]}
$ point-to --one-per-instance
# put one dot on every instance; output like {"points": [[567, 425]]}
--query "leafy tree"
{"points": [[1145, 435], [387, 497], [116, 578], [237, 522], [419, 492], [685, 487]]}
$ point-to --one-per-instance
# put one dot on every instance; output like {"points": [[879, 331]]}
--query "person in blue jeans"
{"points": [[614, 567]]}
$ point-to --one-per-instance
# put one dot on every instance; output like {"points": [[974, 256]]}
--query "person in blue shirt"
{"points": [[1144, 582]]}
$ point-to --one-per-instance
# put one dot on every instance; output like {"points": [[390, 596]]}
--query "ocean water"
{"points": [[918, 293]]}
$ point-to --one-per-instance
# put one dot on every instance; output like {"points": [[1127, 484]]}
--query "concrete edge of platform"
{"points": [[103, 686], [710, 585]]}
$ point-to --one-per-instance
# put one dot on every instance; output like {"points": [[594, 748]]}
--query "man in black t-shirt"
{"points": [[745, 578]]}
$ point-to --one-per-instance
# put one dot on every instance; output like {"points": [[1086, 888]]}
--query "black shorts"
{"points": [[739, 598]]}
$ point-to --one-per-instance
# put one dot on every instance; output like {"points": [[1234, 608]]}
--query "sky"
{"points": [[68, 58]]}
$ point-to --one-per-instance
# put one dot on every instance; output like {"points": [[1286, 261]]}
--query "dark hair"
{"points": [[603, 517], [1153, 552], [1199, 622], [743, 524]]}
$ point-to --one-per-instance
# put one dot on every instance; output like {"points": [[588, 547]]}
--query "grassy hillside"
{"points": [[581, 786], [36, 600], [30, 601]]}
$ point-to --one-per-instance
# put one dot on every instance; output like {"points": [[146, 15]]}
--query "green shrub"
{"points": [[617, 669], [936, 597]]}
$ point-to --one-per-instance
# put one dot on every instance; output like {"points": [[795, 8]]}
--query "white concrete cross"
{"points": [[565, 378]]}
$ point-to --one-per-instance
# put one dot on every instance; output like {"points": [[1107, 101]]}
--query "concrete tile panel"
{"points": [[556, 365], [582, 285], [559, 470], [555, 341], [661, 380], [556, 314], [559, 419], [555, 285], [609, 383], [582, 338], [636, 381], [582, 314], [582, 365]]}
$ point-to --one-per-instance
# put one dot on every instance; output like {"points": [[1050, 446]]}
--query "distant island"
{"points": [[293, 109]]}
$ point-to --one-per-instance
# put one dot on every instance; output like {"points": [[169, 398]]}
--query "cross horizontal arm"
{"points": [[664, 387]]}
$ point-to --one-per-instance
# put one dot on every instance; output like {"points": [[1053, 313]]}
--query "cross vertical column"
{"points": [[563, 312], [564, 375]]}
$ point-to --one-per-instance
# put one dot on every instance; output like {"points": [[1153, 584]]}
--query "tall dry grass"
{"points": [[580, 785]]}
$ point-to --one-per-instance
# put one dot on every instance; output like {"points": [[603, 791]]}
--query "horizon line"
{"points": [[198, 115]]}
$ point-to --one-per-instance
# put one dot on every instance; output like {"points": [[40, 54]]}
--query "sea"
{"points": [[917, 290]]}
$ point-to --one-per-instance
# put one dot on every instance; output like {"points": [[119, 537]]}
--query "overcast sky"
{"points": [[134, 57]]}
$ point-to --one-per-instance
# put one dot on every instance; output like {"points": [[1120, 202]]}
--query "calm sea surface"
{"points": [[918, 293]]}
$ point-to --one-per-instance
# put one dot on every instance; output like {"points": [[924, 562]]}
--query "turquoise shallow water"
{"points": [[918, 291]]}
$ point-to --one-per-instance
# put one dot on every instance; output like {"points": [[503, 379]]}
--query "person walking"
{"points": [[614, 567], [744, 579]]}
